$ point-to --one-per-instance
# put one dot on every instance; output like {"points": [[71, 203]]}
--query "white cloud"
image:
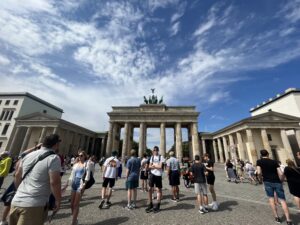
{"points": [[291, 11], [155, 4], [4, 60], [175, 28]]}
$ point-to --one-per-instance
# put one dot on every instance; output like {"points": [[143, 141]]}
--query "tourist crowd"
{"points": [[38, 173]]}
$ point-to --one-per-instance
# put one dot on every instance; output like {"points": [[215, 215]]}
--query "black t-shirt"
{"points": [[209, 163], [269, 170], [292, 175], [198, 170]]}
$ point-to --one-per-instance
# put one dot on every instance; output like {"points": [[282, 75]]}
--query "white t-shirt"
{"points": [[111, 164], [155, 160]]}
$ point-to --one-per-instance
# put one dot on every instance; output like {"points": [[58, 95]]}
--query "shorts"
{"points": [[211, 180], [270, 188], [110, 181], [131, 184], [28, 215], [200, 188], [174, 178], [76, 184], [144, 175], [155, 181]]}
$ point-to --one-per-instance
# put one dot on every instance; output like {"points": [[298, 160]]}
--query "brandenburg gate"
{"points": [[153, 115]]}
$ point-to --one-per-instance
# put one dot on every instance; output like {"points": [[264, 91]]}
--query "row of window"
{"points": [[7, 102], [7, 114]]}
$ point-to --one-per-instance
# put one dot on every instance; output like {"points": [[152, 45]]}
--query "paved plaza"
{"points": [[239, 204]]}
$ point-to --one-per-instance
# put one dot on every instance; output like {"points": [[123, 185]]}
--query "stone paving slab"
{"points": [[239, 204]]}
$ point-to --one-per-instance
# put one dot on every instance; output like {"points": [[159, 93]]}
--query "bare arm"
{"points": [[18, 176], [259, 173], [280, 174], [55, 185]]}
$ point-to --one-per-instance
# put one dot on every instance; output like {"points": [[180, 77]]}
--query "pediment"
{"points": [[37, 116], [274, 116]]}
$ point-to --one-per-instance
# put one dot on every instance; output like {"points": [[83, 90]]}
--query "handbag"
{"points": [[10, 192], [90, 182]]}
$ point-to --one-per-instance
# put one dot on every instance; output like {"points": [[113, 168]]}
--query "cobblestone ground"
{"points": [[239, 204]]}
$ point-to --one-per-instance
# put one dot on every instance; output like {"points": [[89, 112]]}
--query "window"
{"points": [[269, 137], [0, 102], [5, 129], [10, 115], [16, 102], [1, 144], [44, 111], [2, 115], [7, 102]]}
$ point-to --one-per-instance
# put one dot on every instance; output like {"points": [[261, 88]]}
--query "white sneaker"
{"points": [[215, 206], [3, 223]]}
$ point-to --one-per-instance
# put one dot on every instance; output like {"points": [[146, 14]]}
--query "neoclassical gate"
{"points": [[153, 116]]}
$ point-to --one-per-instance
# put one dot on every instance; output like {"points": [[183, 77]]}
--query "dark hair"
{"points": [[145, 155], [206, 155], [264, 153], [51, 140], [114, 153], [156, 148], [197, 157]]}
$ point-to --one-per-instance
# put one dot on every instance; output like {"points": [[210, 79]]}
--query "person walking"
{"points": [[210, 179], [292, 175], [81, 172], [38, 174], [230, 171], [5, 164], [132, 175], [110, 174], [173, 170], [144, 173], [270, 172], [198, 171], [155, 179]]}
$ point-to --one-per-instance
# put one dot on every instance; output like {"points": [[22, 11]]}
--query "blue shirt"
{"points": [[133, 165]]}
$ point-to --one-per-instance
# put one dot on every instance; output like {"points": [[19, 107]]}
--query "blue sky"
{"points": [[85, 56]]}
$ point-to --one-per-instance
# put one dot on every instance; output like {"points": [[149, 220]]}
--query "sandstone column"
{"points": [[215, 151], [195, 139], [178, 141], [297, 134], [130, 138], [287, 145], [125, 141], [43, 132], [26, 139], [252, 153], [232, 147], [142, 139], [13, 144], [109, 140], [225, 148], [163, 139], [203, 146], [220, 151], [266, 143], [93, 146], [116, 137], [102, 153], [240, 146]]}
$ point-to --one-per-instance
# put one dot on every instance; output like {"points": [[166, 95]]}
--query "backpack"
{"points": [[112, 163], [12, 167]]}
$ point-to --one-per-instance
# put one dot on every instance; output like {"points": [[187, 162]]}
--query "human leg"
{"points": [[75, 213], [297, 201], [5, 213]]}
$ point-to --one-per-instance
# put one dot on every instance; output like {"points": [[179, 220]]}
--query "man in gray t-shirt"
{"points": [[28, 205]]}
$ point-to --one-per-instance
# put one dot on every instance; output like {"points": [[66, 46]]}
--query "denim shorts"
{"points": [[76, 184], [271, 188]]}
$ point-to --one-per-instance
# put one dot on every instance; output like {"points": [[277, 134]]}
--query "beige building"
{"points": [[13, 105], [274, 126], [29, 119]]}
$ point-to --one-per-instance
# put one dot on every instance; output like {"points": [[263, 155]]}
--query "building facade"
{"points": [[13, 105]]}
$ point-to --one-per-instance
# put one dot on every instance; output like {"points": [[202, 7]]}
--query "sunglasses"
{"points": [[80, 155]]}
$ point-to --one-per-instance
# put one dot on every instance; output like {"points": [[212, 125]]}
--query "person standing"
{"points": [[110, 174], [173, 168], [144, 173], [210, 179], [155, 179], [5, 165], [198, 171], [132, 175], [270, 172], [29, 203], [292, 175], [80, 171]]}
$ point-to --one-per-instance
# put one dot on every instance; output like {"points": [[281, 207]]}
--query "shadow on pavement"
{"points": [[227, 206], [113, 221], [179, 207]]}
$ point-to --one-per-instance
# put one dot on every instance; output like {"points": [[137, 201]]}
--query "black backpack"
{"points": [[12, 167]]}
